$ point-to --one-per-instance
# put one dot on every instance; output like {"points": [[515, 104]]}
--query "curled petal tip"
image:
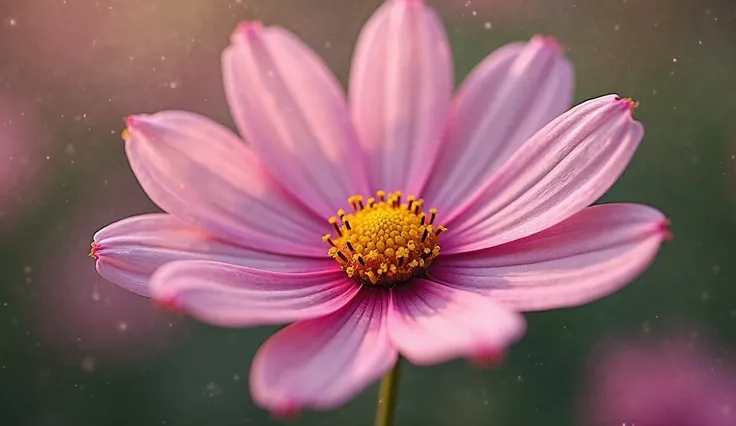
{"points": [[411, 2], [664, 229], [93, 252], [488, 359], [131, 121], [135, 123], [168, 304], [628, 103], [549, 42], [286, 413], [244, 30]]}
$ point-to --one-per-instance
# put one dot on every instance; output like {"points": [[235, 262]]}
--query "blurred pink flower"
{"points": [[76, 315], [244, 244], [22, 158], [667, 383]]}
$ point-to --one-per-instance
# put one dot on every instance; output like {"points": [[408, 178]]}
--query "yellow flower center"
{"points": [[384, 241]]}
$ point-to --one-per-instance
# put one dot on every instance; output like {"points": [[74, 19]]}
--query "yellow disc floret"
{"points": [[384, 241]]}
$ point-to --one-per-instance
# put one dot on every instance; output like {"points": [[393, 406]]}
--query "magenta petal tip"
{"points": [[488, 359], [665, 230], [245, 30], [549, 42], [131, 121], [289, 412], [168, 304], [134, 123], [628, 103]]}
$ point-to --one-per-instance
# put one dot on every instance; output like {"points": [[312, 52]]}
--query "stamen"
{"points": [[352, 202], [333, 222], [434, 214], [328, 239], [384, 242]]}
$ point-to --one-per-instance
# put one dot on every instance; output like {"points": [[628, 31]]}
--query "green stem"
{"points": [[388, 394]]}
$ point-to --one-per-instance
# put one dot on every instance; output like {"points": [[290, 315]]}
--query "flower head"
{"points": [[398, 221], [385, 241], [662, 383]]}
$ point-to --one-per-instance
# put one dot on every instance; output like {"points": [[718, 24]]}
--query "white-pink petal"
{"points": [[430, 323], [586, 257], [324, 362], [129, 251], [291, 108], [510, 95], [559, 171], [200, 172], [235, 296], [400, 89]]}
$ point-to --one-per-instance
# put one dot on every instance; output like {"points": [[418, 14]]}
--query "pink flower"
{"points": [[669, 383], [244, 242], [23, 150]]}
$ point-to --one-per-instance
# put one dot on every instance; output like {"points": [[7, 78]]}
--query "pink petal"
{"points": [[505, 100], [400, 88], [291, 108], [236, 296], [559, 171], [324, 362], [202, 173], [586, 257], [129, 251], [430, 323]]}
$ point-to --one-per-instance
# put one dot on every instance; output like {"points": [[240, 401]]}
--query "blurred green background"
{"points": [[76, 350]]}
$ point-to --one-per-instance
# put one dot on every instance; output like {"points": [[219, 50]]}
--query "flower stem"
{"points": [[388, 394]]}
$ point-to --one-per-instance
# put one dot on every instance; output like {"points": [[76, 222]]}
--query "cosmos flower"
{"points": [[400, 221], [660, 383]]}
